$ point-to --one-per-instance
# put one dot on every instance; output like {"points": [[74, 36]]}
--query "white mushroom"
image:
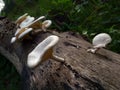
{"points": [[43, 26], [43, 52], [99, 41], [13, 39], [26, 22], [29, 22], [18, 30], [21, 18], [25, 33], [46, 24], [35, 24], [22, 32]]}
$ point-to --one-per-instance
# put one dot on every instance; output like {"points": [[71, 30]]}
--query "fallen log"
{"points": [[80, 71]]}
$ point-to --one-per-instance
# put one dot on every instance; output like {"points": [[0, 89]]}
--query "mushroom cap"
{"points": [[25, 33], [18, 30], [20, 34], [27, 21], [2, 5], [13, 39], [47, 23], [101, 40], [21, 18], [30, 24], [42, 51]]}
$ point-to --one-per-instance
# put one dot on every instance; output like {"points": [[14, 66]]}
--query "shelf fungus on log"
{"points": [[43, 51], [100, 41], [21, 18], [27, 24], [28, 21], [21, 34], [37, 25]]}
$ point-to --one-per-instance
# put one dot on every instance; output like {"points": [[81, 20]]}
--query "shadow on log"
{"points": [[81, 70]]}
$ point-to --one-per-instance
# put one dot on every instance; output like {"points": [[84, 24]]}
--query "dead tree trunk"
{"points": [[81, 70]]}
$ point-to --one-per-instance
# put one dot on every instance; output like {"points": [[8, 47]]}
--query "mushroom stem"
{"points": [[46, 24], [92, 50], [57, 58]]}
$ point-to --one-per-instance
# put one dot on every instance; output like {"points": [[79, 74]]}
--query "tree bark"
{"points": [[80, 71]]}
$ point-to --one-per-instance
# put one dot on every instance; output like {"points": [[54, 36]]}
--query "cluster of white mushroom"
{"points": [[44, 50], [100, 41], [27, 24]]}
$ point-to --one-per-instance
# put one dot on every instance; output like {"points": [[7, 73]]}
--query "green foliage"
{"points": [[89, 18]]}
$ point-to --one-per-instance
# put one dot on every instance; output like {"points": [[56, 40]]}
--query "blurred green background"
{"points": [[87, 17]]}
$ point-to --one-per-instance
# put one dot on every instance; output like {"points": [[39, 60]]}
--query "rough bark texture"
{"points": [[81, 70]]}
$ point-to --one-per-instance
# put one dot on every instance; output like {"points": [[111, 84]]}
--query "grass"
{"points": [[88, 17]]}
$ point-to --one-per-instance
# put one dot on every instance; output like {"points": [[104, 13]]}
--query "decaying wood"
{"points": [[81, 70]]}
